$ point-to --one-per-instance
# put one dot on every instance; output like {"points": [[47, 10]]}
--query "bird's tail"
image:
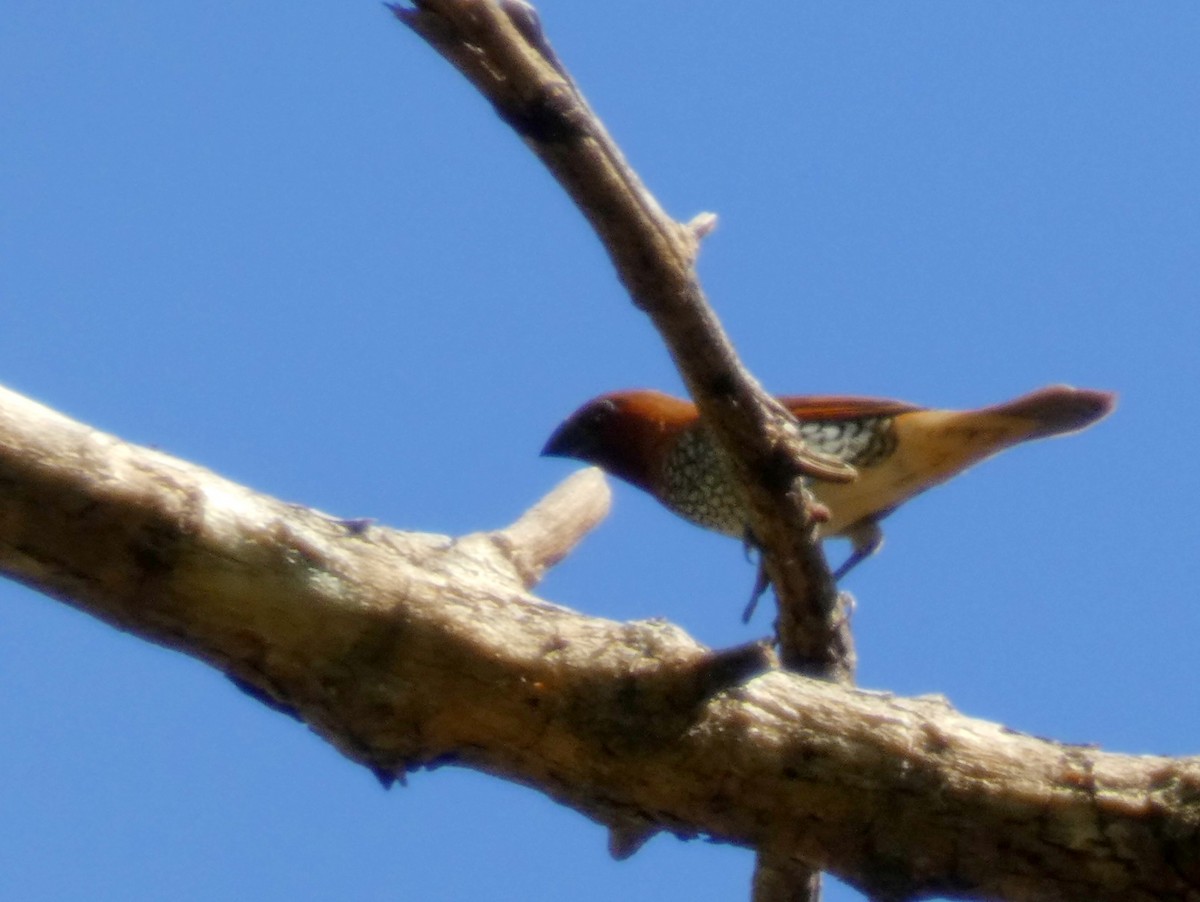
{"points": [[933, 445], [1054, 410]]}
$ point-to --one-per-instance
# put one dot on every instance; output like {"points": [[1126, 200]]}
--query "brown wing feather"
{"points": [[843, 407]]}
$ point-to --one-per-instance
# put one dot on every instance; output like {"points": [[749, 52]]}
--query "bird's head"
{"points": [[626, 433]]}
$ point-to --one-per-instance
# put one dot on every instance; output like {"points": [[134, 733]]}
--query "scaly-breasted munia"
{"points": [[657, 443]]}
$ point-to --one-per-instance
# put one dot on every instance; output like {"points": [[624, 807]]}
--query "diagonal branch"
{"points": [[409, 650], [502, 51]]}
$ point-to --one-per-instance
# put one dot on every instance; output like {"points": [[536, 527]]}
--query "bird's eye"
{"points": [[602, 411]]}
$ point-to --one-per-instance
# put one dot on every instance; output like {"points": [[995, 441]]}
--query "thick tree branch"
{"points": [[500, 47], [408, 650]]}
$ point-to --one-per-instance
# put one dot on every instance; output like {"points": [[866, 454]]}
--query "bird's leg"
{"points": [[820, 514], [865, 538], [749, 543], [761, 580]]}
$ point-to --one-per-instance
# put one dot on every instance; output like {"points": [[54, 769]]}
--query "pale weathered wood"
{"points": [[407, 650]]}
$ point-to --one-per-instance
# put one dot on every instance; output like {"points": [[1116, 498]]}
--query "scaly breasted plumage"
{"points": [[657, 443]]}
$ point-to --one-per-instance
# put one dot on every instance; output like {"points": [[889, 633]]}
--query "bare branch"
{"points": [[501, 48], [408, 650], [549, 530]]}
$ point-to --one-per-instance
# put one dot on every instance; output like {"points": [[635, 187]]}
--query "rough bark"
{"points": [[410, 650]]}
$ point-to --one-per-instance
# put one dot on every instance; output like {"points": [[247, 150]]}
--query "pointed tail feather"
{"points": [[1058, 409]]}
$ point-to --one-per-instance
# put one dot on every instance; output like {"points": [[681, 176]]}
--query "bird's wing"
{"points": [[843, 407]]}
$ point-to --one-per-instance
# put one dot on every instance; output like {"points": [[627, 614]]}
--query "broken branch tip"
{"points": [[702, 225]]}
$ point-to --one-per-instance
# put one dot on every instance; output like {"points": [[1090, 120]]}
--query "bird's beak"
{"points": [[561, 443], [581, 435]]}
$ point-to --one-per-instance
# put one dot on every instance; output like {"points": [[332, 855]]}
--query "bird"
{"points": [[659, 444]]}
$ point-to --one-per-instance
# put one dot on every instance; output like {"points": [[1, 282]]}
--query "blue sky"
{"points": [[290, 244]]}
